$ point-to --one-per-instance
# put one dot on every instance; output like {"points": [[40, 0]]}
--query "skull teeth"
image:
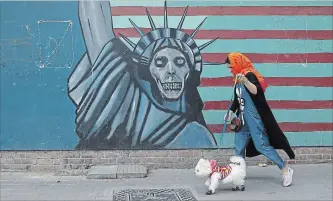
{"points": [[172, 86]]}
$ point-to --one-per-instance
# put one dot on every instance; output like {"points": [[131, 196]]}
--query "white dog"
{"points": [[234, 173]]}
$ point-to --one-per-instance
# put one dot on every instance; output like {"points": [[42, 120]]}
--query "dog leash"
{"points": [[227, 116]]}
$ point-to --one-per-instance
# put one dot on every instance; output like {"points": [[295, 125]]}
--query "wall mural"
{"points": [[89, 75], [137, 96]]}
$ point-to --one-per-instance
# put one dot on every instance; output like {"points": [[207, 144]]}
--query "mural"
{"points": [[137, 96], [79, 75]]}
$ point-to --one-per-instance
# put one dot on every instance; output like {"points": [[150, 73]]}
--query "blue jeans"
{"points": [[255, 129]]}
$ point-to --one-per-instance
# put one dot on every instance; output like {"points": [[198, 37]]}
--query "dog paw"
{"points": [[242, 188], [239, 188], [209, 192]]}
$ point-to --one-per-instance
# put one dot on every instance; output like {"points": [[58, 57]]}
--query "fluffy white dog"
{"points": [[234, 173]]}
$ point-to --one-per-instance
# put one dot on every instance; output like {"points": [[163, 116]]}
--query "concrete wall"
{"points": [[65, 86]]}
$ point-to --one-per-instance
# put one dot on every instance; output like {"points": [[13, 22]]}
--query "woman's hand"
{"points": [[240, 77], [251, 87]]}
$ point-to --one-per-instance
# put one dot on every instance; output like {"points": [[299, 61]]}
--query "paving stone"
{"points": [[103, 172], [131, 171]]}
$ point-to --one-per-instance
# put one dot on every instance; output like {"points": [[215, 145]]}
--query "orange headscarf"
{"points": [[241, 64]]}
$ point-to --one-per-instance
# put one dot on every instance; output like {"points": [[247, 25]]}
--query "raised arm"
{"points": [[96, 25]]}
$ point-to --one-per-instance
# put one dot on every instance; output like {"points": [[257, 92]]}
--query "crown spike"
{"points": [[182, 19], [137, 28], [197, 29], [203, 46], [151, 21], [127, 40], [165, 15]]}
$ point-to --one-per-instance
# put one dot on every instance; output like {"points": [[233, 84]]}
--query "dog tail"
{"points": [[237, 160]]}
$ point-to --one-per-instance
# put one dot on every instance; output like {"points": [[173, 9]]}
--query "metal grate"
{"points": [[154, 195]]}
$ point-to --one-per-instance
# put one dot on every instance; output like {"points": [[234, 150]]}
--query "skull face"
{"points": [[170, 70]]}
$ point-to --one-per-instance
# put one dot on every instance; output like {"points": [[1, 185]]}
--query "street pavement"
{"points": [[311, 182]]}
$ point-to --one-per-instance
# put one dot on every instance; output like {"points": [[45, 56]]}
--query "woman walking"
{"points": [[259, 132]]}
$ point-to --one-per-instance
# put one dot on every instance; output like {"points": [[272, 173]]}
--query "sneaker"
{"points": [[287, 177]]}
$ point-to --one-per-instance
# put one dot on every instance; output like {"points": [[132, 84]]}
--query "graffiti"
{"points": [[20, 49], [137, 96], [55, 49]]}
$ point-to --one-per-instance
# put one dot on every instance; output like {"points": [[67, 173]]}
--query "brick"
{"points": [[88, 154], [182, 153], [72, 154], [327, 156], [173, 159], [112, 154], [302, 151], [88, 161], [42, 161], [152, 160], [291, 161], [138, 153], [19, 155], [65, 161], [314, 151], [56, 161], [21, 167], [76, 161], [17, 161], [5, 166], [301, 157], [7, 161], [45, 168], [29, 161], [124, 160], [112, 161], [314, 156], [134, 160], [100, 161]]}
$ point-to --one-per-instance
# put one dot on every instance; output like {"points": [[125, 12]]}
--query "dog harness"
{"points": [[223, 170]]}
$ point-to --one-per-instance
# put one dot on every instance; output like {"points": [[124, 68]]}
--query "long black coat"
{"points": [[276, 137]]}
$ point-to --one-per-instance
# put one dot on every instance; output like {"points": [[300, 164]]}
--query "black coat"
{"points": [[276, 137]]}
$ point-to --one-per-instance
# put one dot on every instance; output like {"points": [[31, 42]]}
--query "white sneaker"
{"points": [[287, 177]]}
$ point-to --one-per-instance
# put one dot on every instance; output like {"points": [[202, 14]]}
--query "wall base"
{"points": [[79, 161]]}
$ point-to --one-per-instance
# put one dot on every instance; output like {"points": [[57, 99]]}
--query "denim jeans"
{"points": [[255, 129]]}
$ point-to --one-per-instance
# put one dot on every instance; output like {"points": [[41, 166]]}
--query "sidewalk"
{"points": [[311, 182]]}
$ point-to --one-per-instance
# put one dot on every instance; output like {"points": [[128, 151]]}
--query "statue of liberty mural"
{"points": [[137, 96]]}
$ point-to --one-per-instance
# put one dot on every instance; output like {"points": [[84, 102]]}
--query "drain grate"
{"points": [[182, 194]]}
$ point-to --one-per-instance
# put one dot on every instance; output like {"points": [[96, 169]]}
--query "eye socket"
{"points": [[161, 61], [179, 61]]}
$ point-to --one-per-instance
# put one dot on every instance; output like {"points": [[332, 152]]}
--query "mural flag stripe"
{"points": [[272, 46], [275, 58], [277, 104], [225, 10], [275, 70], [281, 115], [220, 3], [274, 81], [272, 93], [244, 34], [243, 22], [319, 138], [285, 126]]}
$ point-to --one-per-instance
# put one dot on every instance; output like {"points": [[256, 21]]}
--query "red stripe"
{"points": [[225, 10], [275, 58], [285, 126], [223, 105], [244, 34], [274, 81]]}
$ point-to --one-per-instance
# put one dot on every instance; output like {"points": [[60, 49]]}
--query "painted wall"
{"points": [[64, 85]]}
